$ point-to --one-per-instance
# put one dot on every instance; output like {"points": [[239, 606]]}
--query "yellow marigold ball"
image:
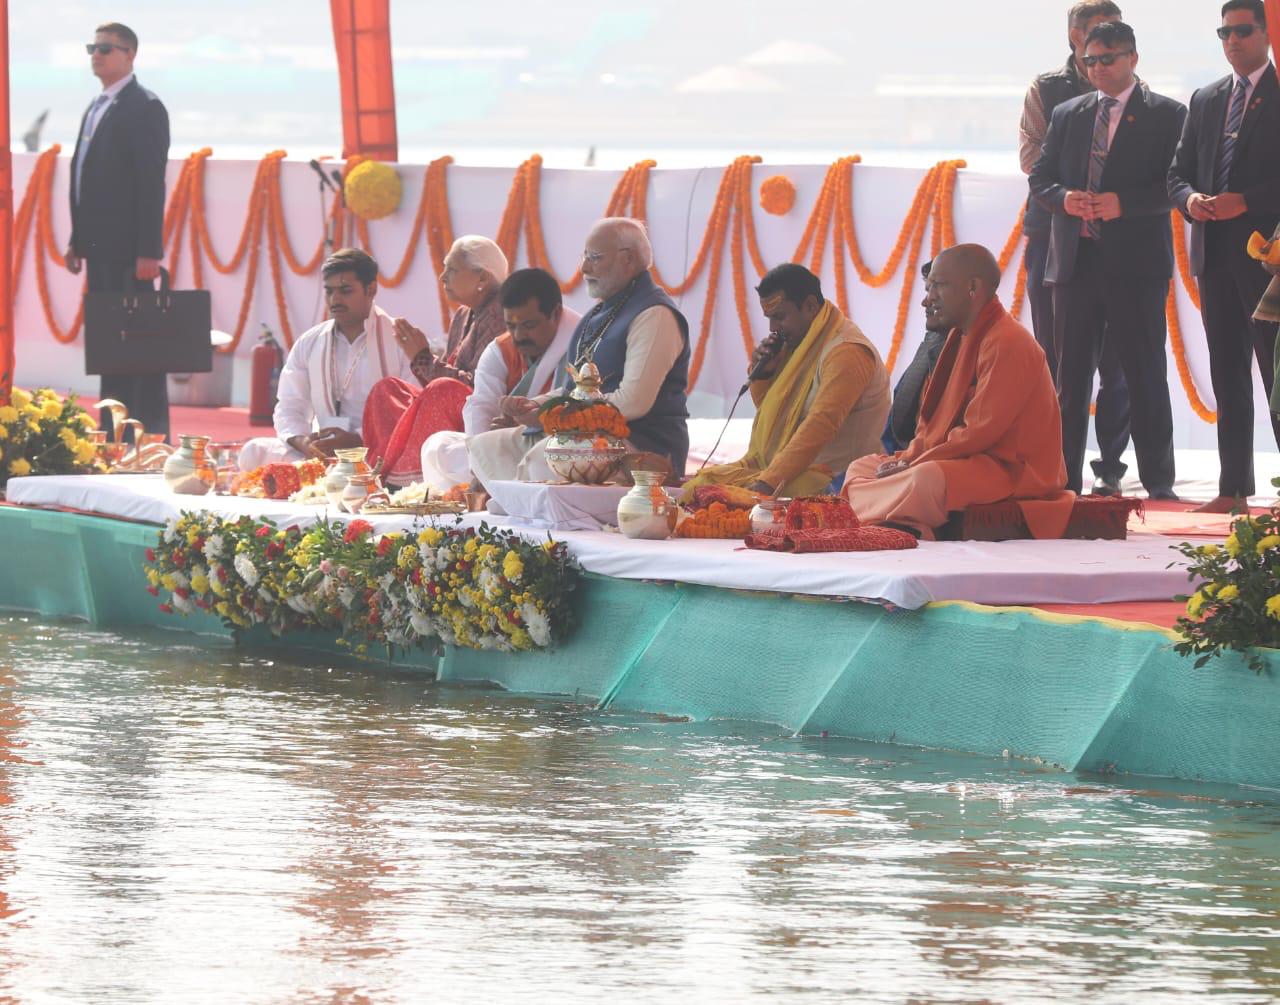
{"points": [[373, 190], [777, 195], [19, 398]]}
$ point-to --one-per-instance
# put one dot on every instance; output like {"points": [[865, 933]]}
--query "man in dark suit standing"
{"points": [[1102, 175], [1226, 180], [117, 199], [1047, 92]]}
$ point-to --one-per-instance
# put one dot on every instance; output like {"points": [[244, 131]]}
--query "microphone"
{"points": [[772, 353], [324, 178], [336, 175]]}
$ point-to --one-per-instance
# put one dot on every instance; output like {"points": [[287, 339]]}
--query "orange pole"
{"points": [[6, 216], [362, 40], [1273, 27]]}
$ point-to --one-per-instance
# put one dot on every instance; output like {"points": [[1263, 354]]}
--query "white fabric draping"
{"points": [[680, 203], [1012, 572], [558, 507]]}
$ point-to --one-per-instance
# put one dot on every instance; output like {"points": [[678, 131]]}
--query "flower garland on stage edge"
{"points": [[481, 588]]}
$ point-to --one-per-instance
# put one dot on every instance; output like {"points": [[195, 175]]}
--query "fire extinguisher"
{"points": [[266, 362]]}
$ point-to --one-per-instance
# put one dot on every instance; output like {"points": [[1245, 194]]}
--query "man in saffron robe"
{"points": [[331, 369], [639, 341], [527, 359], [989, 426], [821, 393], [400, 416]]}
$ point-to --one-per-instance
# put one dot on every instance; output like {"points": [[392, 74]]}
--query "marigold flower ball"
{"points": [[373, 190], [777, 195]]}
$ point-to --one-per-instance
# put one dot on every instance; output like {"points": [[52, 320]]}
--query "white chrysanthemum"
{"points": [[489, 582], [180, 580], [387, 580], [447, 636], [346, 596], [245, 568], [428, 556], [538, 624], [422, 625], [213, 547], [464, 598], [171, 531], [300, 604], [183, 604], [489, 642], [443, 557], [265, 595]]}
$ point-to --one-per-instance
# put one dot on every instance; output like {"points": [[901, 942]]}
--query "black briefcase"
{"points": [[143, 330]]}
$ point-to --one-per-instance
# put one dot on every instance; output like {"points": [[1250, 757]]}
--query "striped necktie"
{"points": [[1098, 156], [86, 136], [1227, 152]]}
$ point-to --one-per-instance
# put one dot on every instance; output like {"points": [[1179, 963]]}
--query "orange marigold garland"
{"points": [[582, 418], [777, 195]]}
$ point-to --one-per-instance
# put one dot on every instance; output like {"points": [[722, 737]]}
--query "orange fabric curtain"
{"points": [[362, 35], [6, 216]]}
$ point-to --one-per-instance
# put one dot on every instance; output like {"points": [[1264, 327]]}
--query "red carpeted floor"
{"points": [[224, 425]]}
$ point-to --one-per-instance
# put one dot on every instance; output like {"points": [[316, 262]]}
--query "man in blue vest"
{"points": [[638, 340]]}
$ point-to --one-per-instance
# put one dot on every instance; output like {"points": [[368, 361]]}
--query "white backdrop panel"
{"points": [[680, 202]]}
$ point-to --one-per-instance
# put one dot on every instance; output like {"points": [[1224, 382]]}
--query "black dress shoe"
{"points": [[1163, 495], [1105, 485]]}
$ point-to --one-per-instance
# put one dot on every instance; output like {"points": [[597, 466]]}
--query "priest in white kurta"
{"points": [[331, 369]]}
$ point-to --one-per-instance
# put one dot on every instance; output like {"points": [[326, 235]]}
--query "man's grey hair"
{"points": [[481, 254], [629, 233]]}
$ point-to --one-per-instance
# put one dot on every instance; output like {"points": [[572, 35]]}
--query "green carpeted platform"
{"points": [[1083, 693]]}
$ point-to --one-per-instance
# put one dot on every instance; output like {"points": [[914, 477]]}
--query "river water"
{"points": [[183, 821]]}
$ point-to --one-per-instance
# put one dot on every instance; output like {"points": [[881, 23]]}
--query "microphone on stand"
{"points": [[336, 175], [324, 178]]}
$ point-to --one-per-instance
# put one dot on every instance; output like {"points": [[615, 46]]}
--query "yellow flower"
{"points": [[193, 535], [223, 608], [1233, 545], [8, 414], [51, 409], [407, 556], [19, 398], [86, 420], [430, 536], [1273, 607], [4, 432], [68, 437], [19, 467], [1209, 550], [153, 577], [85, 452], [168, 582], [1228, 593], [512, 567], [219, 587], [200, 584], [1196, 604], [470, 547], [1270, 541]]}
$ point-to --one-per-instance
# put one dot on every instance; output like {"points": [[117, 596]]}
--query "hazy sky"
{"points": [[694, 78]]}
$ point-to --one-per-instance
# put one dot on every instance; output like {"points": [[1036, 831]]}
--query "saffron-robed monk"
{"points": [[989, 427]]}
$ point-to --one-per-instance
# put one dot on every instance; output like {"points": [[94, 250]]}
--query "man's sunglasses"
{"points": [[1239, 30], [1106, 58], [103, 48]]}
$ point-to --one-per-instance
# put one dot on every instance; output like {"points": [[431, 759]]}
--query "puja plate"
{"points": [[441, 508]]}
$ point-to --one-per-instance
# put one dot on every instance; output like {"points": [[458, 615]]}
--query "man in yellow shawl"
{"points": [[820, 388]]}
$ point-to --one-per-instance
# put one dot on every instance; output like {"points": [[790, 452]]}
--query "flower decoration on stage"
{"points": [[278, 480], [582, 418], [717, 511], [1237, 604], [372, 190], [777, 195], [480, 588], [41, 433]]}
